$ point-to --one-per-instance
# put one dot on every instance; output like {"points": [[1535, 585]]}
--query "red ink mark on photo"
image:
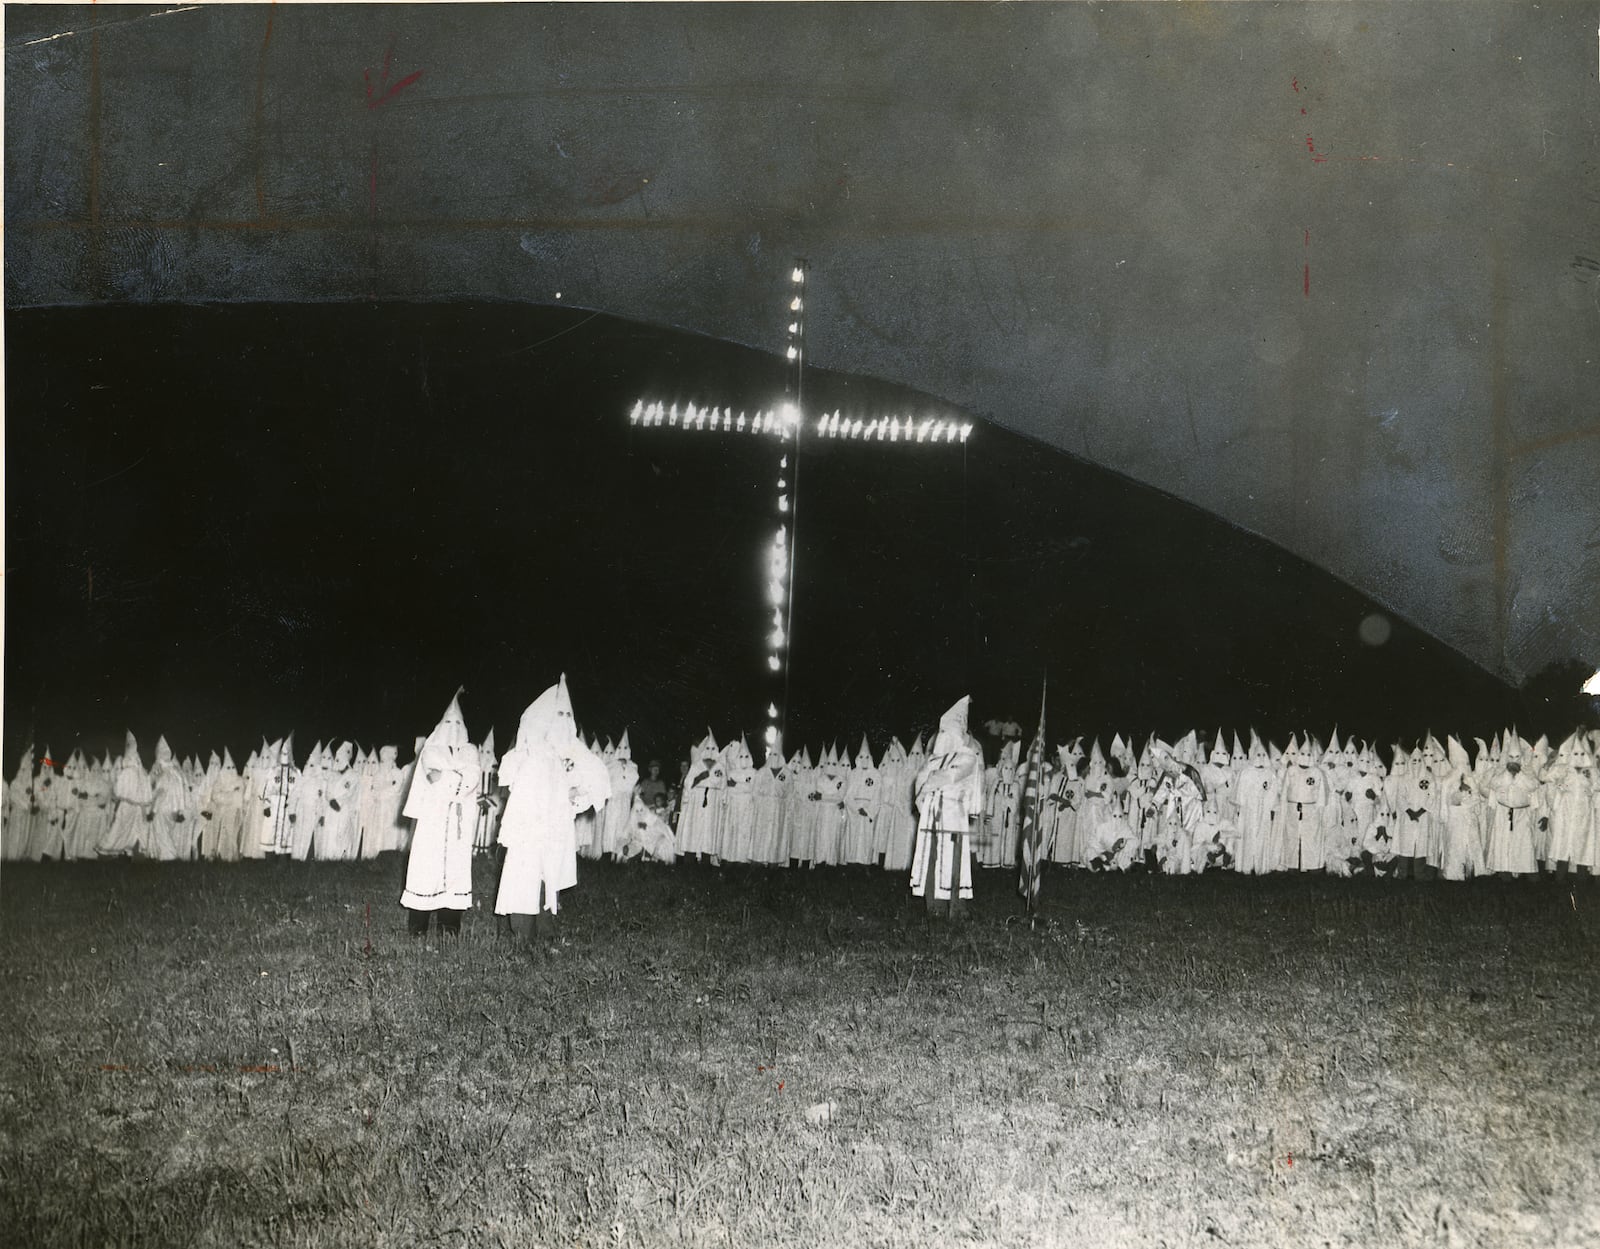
{"points": [[1310, 144], [1302, 112], [1295, 83], [760, 1068], [384, 92], [780, 1086], [1291, 1160]]}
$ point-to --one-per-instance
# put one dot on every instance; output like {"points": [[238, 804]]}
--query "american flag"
{"points": [[1036, 837]]}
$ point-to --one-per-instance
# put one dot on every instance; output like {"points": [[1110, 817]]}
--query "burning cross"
{"points": [[786, 425]]}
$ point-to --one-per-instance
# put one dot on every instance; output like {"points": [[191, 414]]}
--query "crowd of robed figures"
{"points": [[1510, 807]]}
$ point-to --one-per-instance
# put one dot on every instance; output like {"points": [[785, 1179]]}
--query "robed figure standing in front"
{"points": [[551, 777], [443, 802], [949, 796]]}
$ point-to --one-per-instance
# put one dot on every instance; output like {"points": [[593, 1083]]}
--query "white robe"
{"points": [[129, 823], [439, 870], [538, 828], [949, 795], [860, 815], [735, 837], [1512, 800], [623, 775]]}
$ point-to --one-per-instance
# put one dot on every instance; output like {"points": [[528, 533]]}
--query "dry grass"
{"points": [[213, 1055]]}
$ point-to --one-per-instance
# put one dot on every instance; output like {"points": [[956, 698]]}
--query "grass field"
{"points": [[232, 1054]]}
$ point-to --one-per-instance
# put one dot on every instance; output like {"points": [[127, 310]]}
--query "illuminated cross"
{"points": [[785, 426]]}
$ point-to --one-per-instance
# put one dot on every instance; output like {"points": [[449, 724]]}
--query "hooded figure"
{"points": [[488, 817], [226, 804], [1416, 801], [1298, 820], [861, 801], [340, 836], [1063, 804], [1001, 800], [442, 801], [700, 817], [172, 834], [1255, 789], [550, 776], [896, 830], [277, 778], [94, 810], [794, 829], [828, 782], [737, 816], [131, 819], [46, 835], [1143, 803], [1180, 801], [19, 809], [383, 827], [1217, 775], [1569, 804], [1513, 793], [307, 810], [949, 796], [649, 836], [623, 773], [1459, 841], [767, 810]]}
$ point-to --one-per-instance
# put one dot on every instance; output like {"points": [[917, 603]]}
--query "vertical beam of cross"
{"points": [[789, 495]]}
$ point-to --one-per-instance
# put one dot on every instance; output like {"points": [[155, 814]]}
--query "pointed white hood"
{"points": [[952, 734]]}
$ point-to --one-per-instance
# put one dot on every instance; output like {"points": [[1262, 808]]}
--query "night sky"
{"points": [[230, 522], [1328, 271]]}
